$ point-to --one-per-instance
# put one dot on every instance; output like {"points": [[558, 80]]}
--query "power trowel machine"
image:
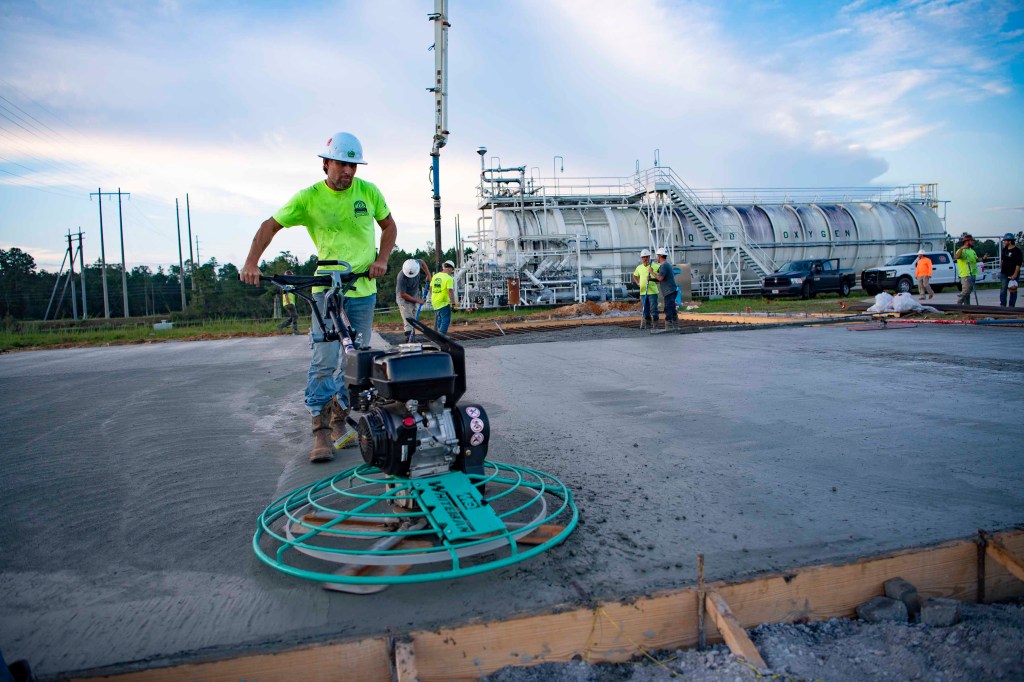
{"points": [[426, 504]]}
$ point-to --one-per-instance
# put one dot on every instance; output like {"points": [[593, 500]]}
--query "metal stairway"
{"points": [[752, 256]]}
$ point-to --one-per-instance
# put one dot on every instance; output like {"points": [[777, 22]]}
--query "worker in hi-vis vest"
{"points": [[442, 296], [643, 276], [291, 316], [339, 213]]}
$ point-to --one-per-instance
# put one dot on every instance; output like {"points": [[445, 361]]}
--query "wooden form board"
{"points": [[616, 631]]}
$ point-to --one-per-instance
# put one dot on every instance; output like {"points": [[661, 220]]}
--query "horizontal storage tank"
{"points": [[862, 235]]}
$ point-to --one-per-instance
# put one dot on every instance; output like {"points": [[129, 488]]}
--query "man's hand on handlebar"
{"points": [[378, 268], [250, 274]]}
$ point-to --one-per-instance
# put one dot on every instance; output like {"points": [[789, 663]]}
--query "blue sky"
{"points": [[231, 101]]}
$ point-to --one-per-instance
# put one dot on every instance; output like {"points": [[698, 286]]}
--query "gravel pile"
{"points": [[987, 644]]}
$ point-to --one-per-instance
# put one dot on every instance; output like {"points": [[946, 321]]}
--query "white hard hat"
{"points": [[411, 268], [662, 251], [449, 264], [343, 147], [645, 254], [921, 252]]}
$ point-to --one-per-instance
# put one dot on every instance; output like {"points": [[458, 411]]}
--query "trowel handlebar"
{"points": [[305, 281]]}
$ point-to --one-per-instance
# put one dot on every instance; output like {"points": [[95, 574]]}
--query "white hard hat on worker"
{"points": [[343, 147], [645, 254], [662, 252], [411, 268]]}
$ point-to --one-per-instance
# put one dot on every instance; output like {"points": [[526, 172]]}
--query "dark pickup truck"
{"points": [[806, 278]]}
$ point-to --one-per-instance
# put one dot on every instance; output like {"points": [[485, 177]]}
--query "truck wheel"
{"points": [[806, 292], [871, 291], [844, 289], [904, 285]]}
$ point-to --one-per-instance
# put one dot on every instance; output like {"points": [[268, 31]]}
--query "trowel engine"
{"points": [[404, 408]]}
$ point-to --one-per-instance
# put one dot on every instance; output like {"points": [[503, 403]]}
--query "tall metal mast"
{"points": [[440, 90]]}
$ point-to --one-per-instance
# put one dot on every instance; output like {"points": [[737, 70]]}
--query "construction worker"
{"points": [[442, 296], [666, 276], [291, 316], [923, 272], [338, 213], [966, 268], [643, 276], [408, 292], [1009, 270]]}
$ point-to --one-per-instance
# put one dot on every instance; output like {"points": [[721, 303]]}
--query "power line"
{"points": [[58, 193], [34, 118]]}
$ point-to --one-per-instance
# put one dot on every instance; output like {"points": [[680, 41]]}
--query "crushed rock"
{"points": [[988, 644]]}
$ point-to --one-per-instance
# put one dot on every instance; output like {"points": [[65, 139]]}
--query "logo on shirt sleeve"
{"points": [[360, 209]]}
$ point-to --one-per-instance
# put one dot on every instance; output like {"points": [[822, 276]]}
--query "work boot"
{"points": [[341, 433], [323, 448]]}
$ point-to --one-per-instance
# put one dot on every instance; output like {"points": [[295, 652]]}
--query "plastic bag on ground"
{"points": [[883, 303], [905, 303]]}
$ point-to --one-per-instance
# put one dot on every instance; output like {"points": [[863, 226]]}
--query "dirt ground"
{"points": [[987, 644]]}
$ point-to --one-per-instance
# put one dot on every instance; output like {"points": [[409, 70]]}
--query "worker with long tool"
{"points": [[338, 213], [1009, 270], [666, 277], [966, 268], [643, 276], [409, 294]]}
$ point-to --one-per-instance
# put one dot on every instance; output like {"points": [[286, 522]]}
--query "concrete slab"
{"points": [[132, 476]]}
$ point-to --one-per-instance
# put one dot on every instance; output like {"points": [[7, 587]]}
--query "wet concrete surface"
{"points": [[132, 476]]}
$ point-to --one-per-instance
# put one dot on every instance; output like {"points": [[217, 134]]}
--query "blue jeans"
{"points": [[443, 318], [327, 366], [1004, 290], [649, 306]]}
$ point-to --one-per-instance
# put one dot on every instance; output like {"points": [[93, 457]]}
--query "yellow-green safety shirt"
{"points": [[647, 285], [439, 286], [340, 225], [967, 263], [287, 298]]}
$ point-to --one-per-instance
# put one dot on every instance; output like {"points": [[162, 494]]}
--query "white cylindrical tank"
{"points": [[861, 235]]}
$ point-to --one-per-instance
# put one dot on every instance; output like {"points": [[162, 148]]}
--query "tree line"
{"points": [[212, 290]]}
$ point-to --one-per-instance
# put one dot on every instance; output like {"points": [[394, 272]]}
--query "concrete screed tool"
{"points": [[426, 505]]}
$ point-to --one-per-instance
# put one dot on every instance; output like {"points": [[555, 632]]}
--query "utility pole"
{"points": [[103, 254], [440, 90], [181, 263], [197, 251], [188, 220], [81, 262], [124, 269], [71, 276]]}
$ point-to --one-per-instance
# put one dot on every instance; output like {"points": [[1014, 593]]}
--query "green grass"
{"points": [[34, 335], [26, 335], [822, 303]]}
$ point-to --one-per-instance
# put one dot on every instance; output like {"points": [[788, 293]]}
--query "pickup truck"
{"points": [[898, 274], [806, 278]]}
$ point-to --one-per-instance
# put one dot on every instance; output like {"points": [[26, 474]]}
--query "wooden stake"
{"points": [[982, 542], [1004, 558], [701, 636], [733, 633], [405, 662]]}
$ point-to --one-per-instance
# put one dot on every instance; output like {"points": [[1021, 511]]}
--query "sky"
{"points": [[229, 102]]}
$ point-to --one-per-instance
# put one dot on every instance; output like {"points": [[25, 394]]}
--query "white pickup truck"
{"points": [[898, 273]]}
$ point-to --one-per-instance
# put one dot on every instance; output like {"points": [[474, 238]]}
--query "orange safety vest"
{"points": [[924, 267]]}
